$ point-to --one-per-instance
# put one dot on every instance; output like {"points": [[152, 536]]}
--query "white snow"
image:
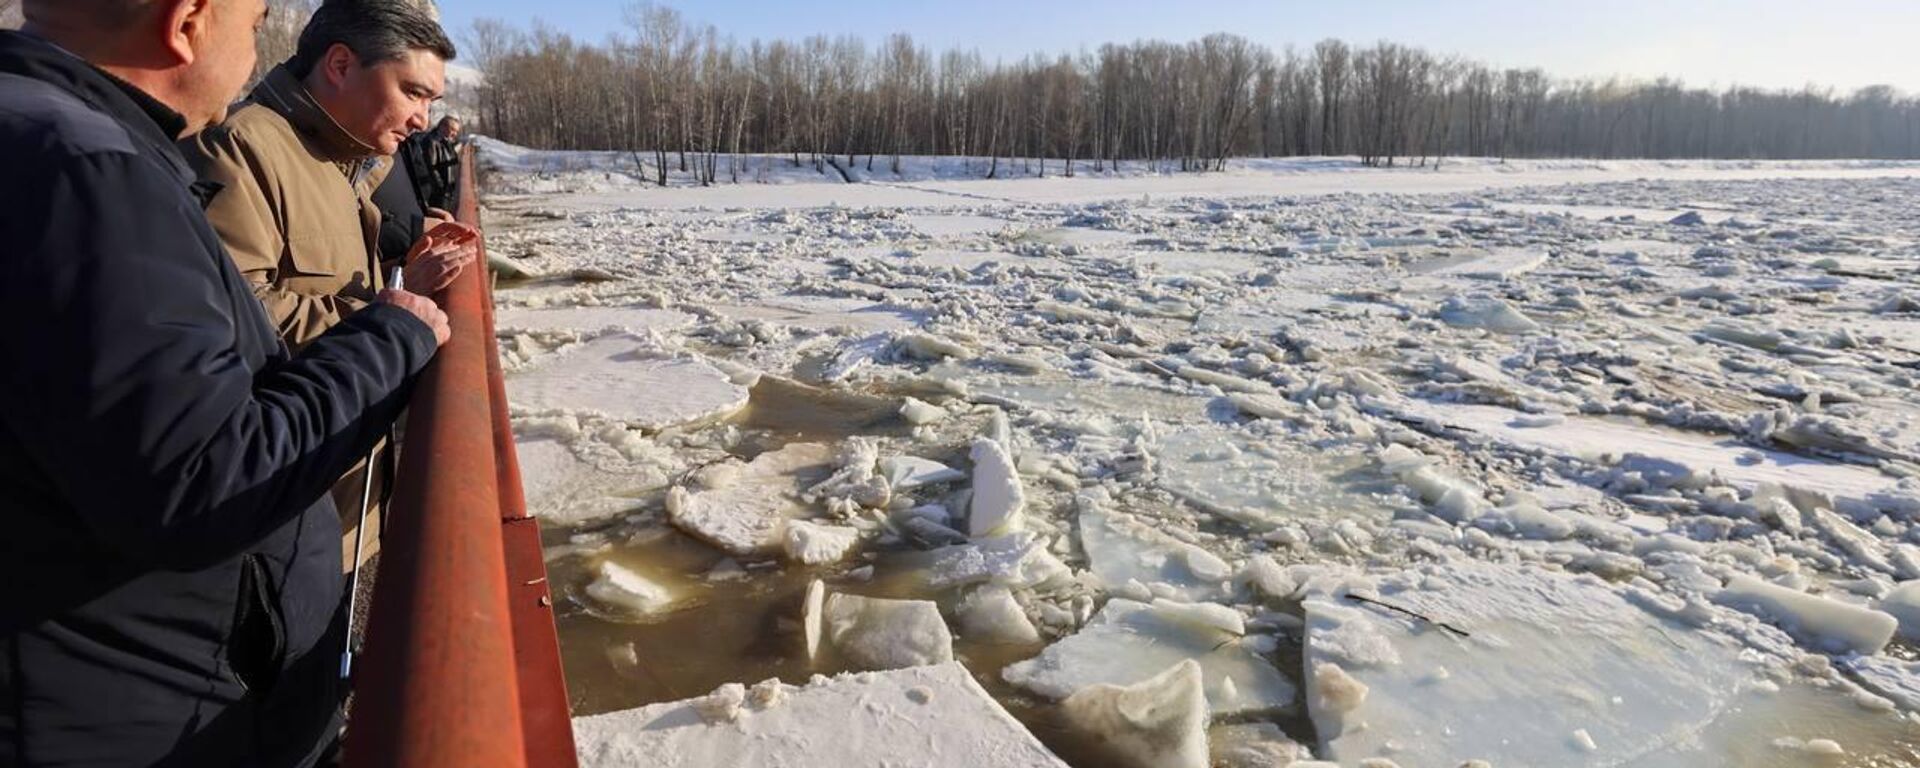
{"points": [[934, 716]]}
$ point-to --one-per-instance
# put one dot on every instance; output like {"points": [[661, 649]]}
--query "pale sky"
{"points": [[1769, 43]]}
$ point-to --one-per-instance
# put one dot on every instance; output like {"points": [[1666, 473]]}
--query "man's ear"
{"points": [[186, 24], [336, 63]]}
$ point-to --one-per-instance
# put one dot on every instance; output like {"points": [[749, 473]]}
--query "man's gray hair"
{"points": [[375, 30]]}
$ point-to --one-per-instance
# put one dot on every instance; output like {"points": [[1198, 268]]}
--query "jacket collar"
{"points": [[283, 93], [156, 124]]}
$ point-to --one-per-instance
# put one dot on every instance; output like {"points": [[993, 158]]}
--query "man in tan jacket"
{"points": [[298, 161]]}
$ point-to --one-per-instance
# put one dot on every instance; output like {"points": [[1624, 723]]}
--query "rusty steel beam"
{"points": [[438, 684], [545, 711]]}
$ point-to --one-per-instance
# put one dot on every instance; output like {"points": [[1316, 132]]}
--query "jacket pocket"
{"points": [[258, 645], [325, 254]]}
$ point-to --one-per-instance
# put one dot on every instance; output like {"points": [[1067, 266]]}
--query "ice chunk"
{"points": [[1254, 479], [1332, 698], [1485, 312], [926, 346], [931, 717], [1499, 264], [1820, 623], [991, 615], [1159, 722], [813, 617], [628, 592], [919, 413], [1204, 616], [875, 633], [1731, 460], [747, 513], [998, 498], [625, 377], [854, 485], [1903, 603], [1121, 548], [1018, 560], [815, 544], [1266, 577], [1205, 565], [1643, 688], [1895, 679], [906, 473], [1225, 381], [1253, 745], [1262, 406], [1127, 641], [1453, 498]]}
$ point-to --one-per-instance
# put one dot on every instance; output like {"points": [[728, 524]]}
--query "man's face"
{"points": [[224, 54], [383, 104]]}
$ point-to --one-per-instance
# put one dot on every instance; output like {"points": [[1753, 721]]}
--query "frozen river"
{"points": [[1542, 464]]}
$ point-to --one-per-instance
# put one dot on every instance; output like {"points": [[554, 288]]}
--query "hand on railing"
{"points": [[422, 308]]}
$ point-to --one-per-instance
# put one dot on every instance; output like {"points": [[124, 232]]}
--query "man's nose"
{"points": [[417, 122]]}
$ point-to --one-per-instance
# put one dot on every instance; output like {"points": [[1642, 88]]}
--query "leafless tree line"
{"points": [[688, 97]]}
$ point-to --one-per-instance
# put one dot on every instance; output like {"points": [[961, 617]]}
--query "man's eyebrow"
{"points": [[421, 86]]}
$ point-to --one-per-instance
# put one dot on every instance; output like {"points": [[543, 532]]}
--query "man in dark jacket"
{"points": [[421, 190], [172, 557]]}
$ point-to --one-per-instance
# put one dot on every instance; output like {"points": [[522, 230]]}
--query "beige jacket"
{"points": [[295, 209]]}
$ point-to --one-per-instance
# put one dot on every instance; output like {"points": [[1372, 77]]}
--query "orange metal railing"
{"points": [[461, 666]]}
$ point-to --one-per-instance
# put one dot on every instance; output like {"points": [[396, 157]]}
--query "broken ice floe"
{"points": [[624, 377], [933, 716], [744, 509], [872, 633], [1159, 722], [1457, 662], [1128, 642]]}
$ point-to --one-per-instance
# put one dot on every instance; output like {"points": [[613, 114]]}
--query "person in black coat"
{"points": [[171, 556], [422, 189]]}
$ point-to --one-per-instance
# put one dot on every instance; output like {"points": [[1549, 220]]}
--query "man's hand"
{"points": [[436, 217], [440, 256], [422, 308]]}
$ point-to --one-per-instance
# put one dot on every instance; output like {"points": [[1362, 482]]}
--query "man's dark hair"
{"points": [[375, 30]]}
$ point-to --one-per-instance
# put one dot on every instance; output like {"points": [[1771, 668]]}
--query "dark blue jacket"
{"points": [[169, 554]]}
